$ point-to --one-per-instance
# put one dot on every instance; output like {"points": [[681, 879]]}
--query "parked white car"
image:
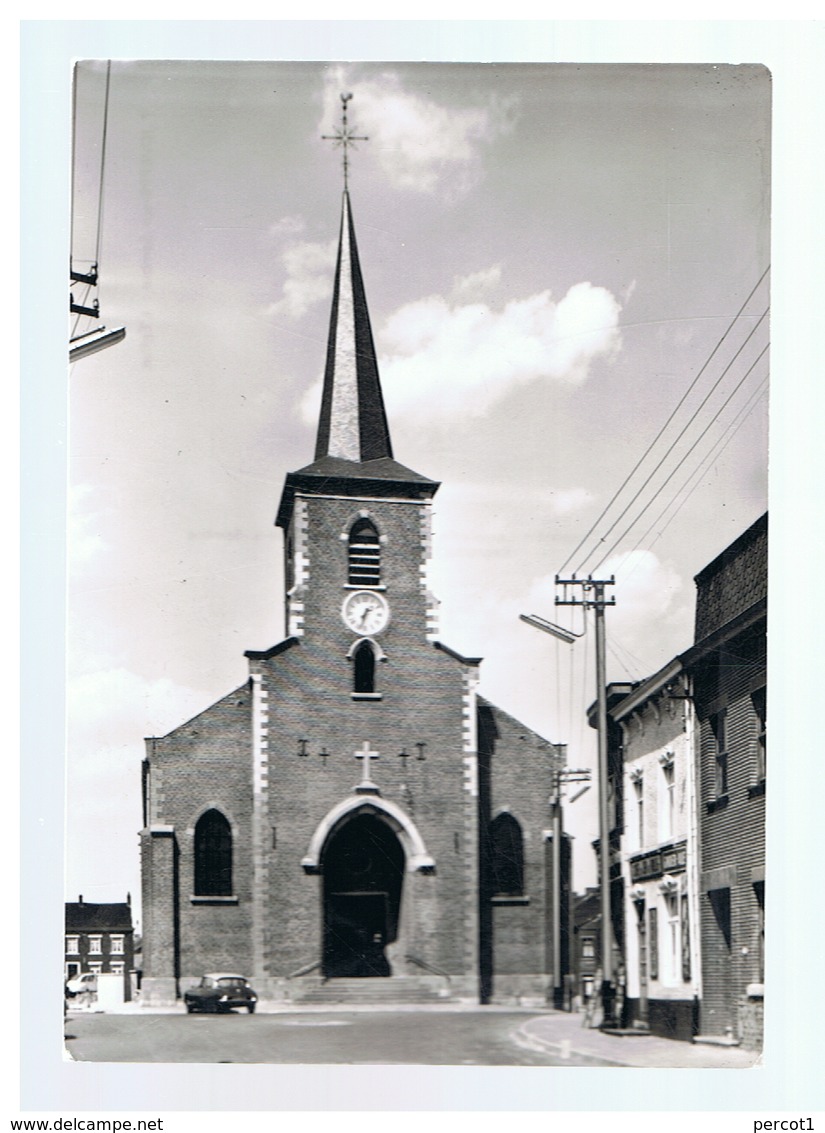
{"points": [[87, 981]]}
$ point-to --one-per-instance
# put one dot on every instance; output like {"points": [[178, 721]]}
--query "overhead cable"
{"points": [[681, 462], [658, 436]]}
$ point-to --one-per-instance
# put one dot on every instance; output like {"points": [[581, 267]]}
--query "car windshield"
{"points": [[231, 983]]}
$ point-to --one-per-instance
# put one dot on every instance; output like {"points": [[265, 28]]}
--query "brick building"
{"points": [[728, 664], [99, 938], [353, 809]]}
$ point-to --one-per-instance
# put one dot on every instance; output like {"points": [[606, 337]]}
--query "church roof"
{"points": [[353, 423], [381, 477], [353, 450], [383, 468]]}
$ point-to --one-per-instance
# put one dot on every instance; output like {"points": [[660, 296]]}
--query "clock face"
{"points": [[364, 612]]}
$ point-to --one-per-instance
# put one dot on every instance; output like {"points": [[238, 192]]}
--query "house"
{"points": [[728, 669], [659, 859], [99, 939]]}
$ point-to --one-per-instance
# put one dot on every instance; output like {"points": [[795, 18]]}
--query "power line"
{"points": [[719, 447], [653, 444], [673, 443], [681, 462]]}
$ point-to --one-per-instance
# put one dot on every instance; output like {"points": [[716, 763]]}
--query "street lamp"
{"points": [[565, 635]]}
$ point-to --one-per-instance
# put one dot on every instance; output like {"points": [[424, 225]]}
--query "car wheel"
{"points": [[190, 1007], [250, 1008], [211, 1007]]}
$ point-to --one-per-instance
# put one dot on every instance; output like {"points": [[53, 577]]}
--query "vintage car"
{"points": [[78, 984], [220, 991]]}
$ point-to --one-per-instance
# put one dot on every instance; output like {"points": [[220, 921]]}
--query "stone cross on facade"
{"points": [[366, 754]]}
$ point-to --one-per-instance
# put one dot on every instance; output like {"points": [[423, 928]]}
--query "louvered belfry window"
{"points": [[364, 554]]}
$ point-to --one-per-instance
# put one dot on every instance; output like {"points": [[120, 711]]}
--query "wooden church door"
{"points": [[363, 869]]}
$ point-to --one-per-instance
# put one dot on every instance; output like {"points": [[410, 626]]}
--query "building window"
{"points": [[363, 668], [95, 945], [653, 943], [672, 908], [760, 708], [720, 904], [720, 744], [213, 856], [639, 788], [117, 944], [685, 940], [364, 554], [507, 856], [116, 967], [96, 967], [667, 802], [588, 948], [72, 945]]}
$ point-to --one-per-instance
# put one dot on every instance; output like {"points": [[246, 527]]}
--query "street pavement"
{"points": [[563, 1035], [441, 1034]]}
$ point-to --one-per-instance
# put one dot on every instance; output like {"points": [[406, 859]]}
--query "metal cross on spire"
{"points": [[344, 136]]}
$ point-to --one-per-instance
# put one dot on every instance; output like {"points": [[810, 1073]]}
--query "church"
{"points": [[353, 821]]}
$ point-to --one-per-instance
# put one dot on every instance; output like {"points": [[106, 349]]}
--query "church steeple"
{"points": [[353, 423], [353, 452]]}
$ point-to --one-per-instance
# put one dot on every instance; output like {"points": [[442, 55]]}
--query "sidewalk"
{"points": [[562, 1034]]}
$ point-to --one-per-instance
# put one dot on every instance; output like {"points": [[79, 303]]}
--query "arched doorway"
{"points": [[363, 868]]}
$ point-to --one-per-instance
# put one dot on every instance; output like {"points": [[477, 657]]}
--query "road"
{"points": [[465, 1038]]}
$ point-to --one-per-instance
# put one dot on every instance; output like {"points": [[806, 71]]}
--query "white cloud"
{"points": [[291, 226], [648, 587], [419, 144], [472, 355], [566, 501], [475, 286], [309, 271], [309, 407]]}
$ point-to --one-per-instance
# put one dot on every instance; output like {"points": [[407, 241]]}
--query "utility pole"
{"points": [[593, 596], [561, 777]]}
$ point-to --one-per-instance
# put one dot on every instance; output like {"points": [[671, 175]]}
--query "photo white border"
{"points": [[791, 1078]]}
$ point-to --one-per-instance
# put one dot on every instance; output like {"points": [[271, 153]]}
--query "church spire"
{"points": [[353, 424]]}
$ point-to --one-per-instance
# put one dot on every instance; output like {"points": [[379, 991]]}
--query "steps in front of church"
{"points": [[378, 991]]}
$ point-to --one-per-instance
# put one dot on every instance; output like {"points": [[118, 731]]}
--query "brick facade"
{"points": [[729, 665], [256, 757]]}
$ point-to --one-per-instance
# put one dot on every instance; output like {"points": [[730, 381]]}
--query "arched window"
{"points": [[364, 554], [363, 664], [507, 856], [213, 856]]}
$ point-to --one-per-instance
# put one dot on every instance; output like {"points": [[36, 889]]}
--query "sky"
{"points": [[555, 256]]}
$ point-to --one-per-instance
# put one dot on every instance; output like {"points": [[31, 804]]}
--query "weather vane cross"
{"points": [[344, 136]]}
